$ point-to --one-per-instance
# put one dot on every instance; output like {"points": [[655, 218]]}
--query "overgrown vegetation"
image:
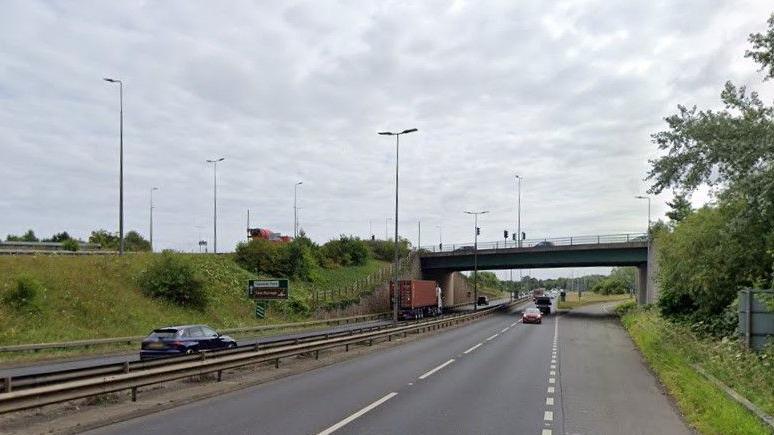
{"points": [[707, 255], [174, 278], [671, 349], [26, 295], [620, 281], [575, 299]]}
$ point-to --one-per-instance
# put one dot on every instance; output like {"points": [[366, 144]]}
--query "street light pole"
{"points": [[475, 255], [295, 208], [397, 162], [518, 218], [121, 167], [648, 198], [440, 237], [151, 216], [215, 203]]}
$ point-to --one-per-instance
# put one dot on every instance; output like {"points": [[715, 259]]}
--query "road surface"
{"points": [[492, 376]]}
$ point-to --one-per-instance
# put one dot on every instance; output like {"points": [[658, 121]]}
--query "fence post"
{"points": [[748, 319]]}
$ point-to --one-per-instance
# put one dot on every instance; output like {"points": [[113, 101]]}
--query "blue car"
{"points": [[183, 340]]}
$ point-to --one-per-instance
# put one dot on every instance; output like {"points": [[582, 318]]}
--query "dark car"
{"points": [[182, 340], [465, 249], [482, 300], [532, 315], [543, 244]]}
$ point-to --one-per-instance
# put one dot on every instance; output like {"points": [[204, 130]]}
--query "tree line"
{"points": [[133, 240]]}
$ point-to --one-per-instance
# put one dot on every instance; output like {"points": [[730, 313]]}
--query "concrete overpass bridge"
{"points": [[441, 261]]}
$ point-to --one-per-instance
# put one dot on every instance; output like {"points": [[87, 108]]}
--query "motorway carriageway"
{"points": [[77, 363], [576, 373]]}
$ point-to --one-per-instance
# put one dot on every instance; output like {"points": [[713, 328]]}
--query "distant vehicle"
{"points": [[183, 340], [266, 234], [417, 299], [537, 292], [543, 303], [465, 249], [482, 300], [532, 315], [543, 244]]}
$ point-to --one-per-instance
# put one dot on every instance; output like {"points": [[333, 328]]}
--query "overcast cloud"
{"points": [[565, 94]]}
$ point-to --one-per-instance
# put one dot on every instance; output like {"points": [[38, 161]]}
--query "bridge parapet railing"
{"points": [[540, 243]]}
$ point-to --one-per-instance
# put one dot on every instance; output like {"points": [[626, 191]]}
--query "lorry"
{"points": [[543, 303], [417, 299], [537, 292]]}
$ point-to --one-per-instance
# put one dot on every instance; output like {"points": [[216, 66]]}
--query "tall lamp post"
{"points": [[518, 213], [648, 198], [440, 237], [295, 208], [215, 203], [397, 162], [151, 216], [475, 256], [121, 166]]}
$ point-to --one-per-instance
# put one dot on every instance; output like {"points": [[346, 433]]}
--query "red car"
{"points": [[532, 315]]}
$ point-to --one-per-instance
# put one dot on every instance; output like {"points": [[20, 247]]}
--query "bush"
{"points": [[346, 251], [611, 286], [259, 256], [174, 278], [70, 245], [385, 249], [625, 308], [296, 259], [26, 294]]}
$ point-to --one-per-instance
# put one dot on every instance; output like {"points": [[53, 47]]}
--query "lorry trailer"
{"points": [[417, 299]]}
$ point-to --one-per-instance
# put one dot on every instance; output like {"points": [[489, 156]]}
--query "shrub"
{"points": [[259, 256], [625, 308], [70, 245], [385, 249], [174, 278], [26, 294], [346, 251]]}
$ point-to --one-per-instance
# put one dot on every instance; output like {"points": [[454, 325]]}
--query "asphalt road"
{"points": [[49, 366], [493, 376]]}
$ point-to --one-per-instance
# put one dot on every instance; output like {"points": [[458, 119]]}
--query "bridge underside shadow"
{"points": [[440, 264]]}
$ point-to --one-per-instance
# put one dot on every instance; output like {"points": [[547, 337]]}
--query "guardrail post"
{"points": [[134, 394], [276, 363], [7, 385], [220, 375], [346, 347], [126, 366], [317, 354]]}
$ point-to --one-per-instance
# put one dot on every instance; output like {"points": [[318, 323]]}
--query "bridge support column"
{"points": [[446, 281], [642, 284]]}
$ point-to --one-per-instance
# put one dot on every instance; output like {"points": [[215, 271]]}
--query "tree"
{"points": [[680, 208], [29, 236], [763, 53], [105, 239], [58, 237], [133, 241]]}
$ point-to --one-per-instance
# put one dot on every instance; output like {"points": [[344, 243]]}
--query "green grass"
{"points": [[97, 296], [670, 349], [573, 301]]}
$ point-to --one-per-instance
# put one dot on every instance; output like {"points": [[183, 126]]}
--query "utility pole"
{"points": [[215, 203], [397, 162], [121, 166], [518, 219], [419, 234], [151, 216], [475, 255]]}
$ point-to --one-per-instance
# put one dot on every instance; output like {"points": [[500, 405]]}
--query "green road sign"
{"points": [[264, 289], [260, 310]]}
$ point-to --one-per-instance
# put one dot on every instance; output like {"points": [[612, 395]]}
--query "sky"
{"points": [[565, 94]]}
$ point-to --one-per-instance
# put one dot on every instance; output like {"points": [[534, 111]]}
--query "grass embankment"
{"points": [[98, 296], [671, 349], [574, 299]]}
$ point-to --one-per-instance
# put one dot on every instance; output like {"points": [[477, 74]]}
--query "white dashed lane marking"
{"points": [[492, 337], [473, 348], [436, 369], [354, 416]]}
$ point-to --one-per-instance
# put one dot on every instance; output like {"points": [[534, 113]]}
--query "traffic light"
{"points": [[523, 235], [513, 237], [505, 234], [478, 231]]}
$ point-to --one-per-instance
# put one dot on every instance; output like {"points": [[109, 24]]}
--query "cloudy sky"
{"points": [[565, 94]]}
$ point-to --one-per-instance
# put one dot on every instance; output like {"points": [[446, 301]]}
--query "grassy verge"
{"points": [[574, 299], [670, 349], [98, 296]]}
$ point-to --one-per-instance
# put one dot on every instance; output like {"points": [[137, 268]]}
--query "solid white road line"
{"points": [[505, 329], [473, 348], [354, 416], [436, 369], [492, 337], [514, 324]]}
